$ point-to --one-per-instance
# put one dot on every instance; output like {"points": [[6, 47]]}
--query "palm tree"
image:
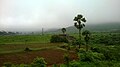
{"points": [[63, 30], [79, 25], [87, 34]]}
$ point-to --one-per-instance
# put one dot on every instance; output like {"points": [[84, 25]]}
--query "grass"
{"points": [[9, 48], [22, 39]]}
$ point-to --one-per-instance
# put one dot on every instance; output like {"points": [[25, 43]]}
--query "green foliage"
{"points": [[23, 65], [110, 52], [93, 64], [66, 59], [13, 65], [58, 38], [7, 64], [98, 49], [87, 34], [55, 65], [38, 62], [78, 42], [75, 64], [91, 56], [82, 64], [106, 38], [86, 57]]}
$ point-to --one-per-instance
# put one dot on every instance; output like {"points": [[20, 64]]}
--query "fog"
{"points": [[32, 15]]}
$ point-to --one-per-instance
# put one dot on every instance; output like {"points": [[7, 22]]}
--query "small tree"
{"points": [[79, 25], [63, 30], [86, 33]]}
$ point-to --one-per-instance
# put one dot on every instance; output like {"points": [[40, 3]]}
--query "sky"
{"points": [[32, 15]]}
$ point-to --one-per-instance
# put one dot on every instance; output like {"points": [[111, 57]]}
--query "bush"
{"points": [[39, 62], [106, 39], [7, 64], [97, 49], [55, 65], [75, 64], [109, 52], [86, 57], [58, 38], [78, 42], [66, 59], [27, 49], [64, 46], [91, 56]]}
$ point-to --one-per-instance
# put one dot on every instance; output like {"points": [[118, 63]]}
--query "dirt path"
{"points": [[52, 56]]}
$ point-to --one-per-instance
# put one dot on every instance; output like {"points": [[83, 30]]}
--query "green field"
{"points": [[22, 39]]}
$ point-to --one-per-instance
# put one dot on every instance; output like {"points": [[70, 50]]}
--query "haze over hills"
{"points": [[104, 27], [101, 27]]}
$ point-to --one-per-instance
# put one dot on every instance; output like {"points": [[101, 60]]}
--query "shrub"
{"points": [[38, 62], [7, 64], [96, 49], [66, 59], [86, 56], [64, 46], [75, 64], [58, 38], [77, 42], [91, 56], [27, 49], [55, 65], [109, 52]]}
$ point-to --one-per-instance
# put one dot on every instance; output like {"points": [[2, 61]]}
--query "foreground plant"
{"points": [[39, 62]]}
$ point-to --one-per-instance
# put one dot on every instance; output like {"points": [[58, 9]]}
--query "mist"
{"points": [[33, 15]]}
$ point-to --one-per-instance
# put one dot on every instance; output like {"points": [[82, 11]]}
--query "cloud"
{"points": [[31, 15]]}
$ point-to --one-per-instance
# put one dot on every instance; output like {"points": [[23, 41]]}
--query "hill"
{"points": [[104, 27]]}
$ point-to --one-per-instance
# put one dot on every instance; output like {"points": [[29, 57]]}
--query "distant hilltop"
{"points": [[103, 27]]}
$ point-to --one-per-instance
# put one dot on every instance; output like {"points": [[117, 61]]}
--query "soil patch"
{"points": [[52, 56]]}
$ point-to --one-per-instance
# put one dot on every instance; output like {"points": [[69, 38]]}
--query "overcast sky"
{"points": [[32, 15]]}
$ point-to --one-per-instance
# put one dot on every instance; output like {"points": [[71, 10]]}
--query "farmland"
{"points": [[21, 39], [12, 49]]}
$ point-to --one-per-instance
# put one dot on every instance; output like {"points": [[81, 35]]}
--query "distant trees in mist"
{"points": [[8, 33]]}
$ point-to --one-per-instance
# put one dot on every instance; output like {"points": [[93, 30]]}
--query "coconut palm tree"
{"points": [[63, 30], [87, 34], [79, 25]]}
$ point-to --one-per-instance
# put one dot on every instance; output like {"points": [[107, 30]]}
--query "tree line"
{"points": [[8, 33]]}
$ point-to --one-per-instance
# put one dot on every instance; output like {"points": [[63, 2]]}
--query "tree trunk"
{"points": [[80, 39], [86, 46]]}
